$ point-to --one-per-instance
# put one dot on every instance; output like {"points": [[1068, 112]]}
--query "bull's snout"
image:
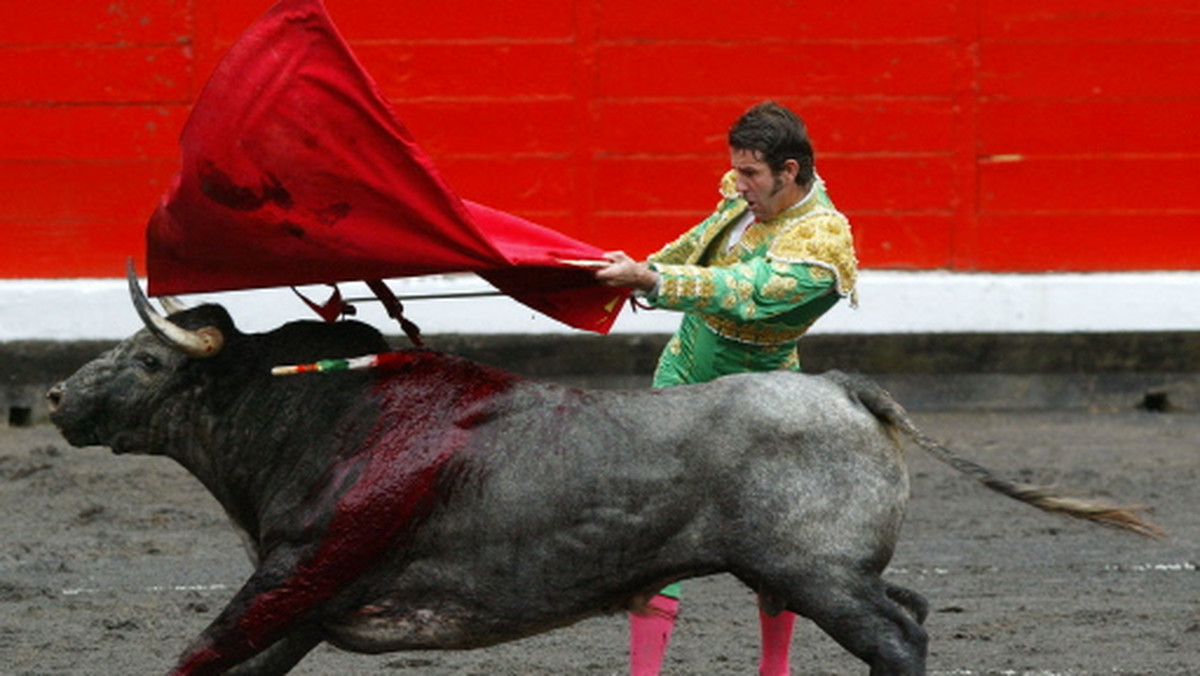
{"points": [[54, 397]]}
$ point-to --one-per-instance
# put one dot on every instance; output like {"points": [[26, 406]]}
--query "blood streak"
{"points": [[428, 407]]}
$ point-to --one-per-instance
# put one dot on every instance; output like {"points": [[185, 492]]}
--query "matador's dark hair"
{"points": [[777, 135]]}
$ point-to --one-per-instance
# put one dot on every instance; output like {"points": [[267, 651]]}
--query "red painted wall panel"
{"points": [[407, 21], [897, 183], [412, 72], [90, 23], [1090, 185], [76, 218], [952, 133], [1071, 242], [88, 132], [644, 183], [69, 248], [829, 69], [495, 128], [1133, 68], [709, 21], [108, 74], [1095, 126], [83, 191], [503, 20], [1075, 20], [914, 240], [525, 185]]}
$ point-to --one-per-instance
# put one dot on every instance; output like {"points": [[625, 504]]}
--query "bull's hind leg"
{"points": [[858, 611]]}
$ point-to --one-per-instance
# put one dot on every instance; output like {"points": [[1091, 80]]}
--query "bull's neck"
{"points": [[265, 453], [255, 452]]}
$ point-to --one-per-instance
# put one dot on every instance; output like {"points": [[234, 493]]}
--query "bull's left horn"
{"points": [[202, 342]]}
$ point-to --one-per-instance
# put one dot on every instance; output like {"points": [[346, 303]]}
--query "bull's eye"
{"points": [[147, 361]]}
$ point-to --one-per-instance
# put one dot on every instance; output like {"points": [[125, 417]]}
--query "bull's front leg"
{"points": [[268, 626], [379, 511], [281, 657]]}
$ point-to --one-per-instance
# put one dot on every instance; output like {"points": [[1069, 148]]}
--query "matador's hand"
{"points": [[624, 271]]}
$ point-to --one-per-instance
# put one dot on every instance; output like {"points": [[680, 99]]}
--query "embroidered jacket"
{"points": [[772, 284]]}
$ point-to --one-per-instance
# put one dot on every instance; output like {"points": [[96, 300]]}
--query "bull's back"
{"points": [[803, 416], [552, 473], [546, 447]]}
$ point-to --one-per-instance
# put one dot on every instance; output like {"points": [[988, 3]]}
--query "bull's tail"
{"points": [[885, 408]]}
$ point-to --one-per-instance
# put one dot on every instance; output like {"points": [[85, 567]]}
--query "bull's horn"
{"points": [[171, 305], [203, 342]]}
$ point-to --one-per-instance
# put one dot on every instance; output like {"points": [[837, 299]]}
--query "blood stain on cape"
{"points": [[221, 188]]}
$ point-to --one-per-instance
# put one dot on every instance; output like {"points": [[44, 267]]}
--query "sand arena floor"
{"points": [[112, 564]]}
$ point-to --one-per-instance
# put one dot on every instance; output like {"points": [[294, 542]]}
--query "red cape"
{"points": [[297, 171]]}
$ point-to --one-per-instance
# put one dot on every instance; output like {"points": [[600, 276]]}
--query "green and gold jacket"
{"points": [[747, 305]]}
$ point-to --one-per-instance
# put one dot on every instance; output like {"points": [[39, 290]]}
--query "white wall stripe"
{"points": [[890, 302]]}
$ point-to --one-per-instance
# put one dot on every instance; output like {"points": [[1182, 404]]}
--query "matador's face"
{"points": [[766, 192]]}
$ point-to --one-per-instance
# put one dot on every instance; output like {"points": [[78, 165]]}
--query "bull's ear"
{"points": [[203, 342]]}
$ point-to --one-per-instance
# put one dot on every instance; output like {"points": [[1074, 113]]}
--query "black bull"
{"points": [[437, 503]]}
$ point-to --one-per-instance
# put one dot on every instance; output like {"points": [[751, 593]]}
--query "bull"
{"points": [[436, 503]]}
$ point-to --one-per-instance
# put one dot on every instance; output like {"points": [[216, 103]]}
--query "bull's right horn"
{"points": [[202, 342], [171, 305]]}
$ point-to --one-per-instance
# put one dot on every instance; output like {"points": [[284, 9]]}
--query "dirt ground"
{"points": [[109, 565]]}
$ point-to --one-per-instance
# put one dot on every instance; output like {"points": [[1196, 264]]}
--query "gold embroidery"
{"points": [[780, 286], [755, 333], [831, 247], [670, 288], [792, 363], [820, 273], [707, 286], [744, 289], [728, 187]]}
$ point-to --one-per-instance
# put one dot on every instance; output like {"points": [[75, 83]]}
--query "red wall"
{"points": [[997, 135]]}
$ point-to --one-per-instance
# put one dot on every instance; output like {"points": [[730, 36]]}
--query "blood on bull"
{"points": [[432, 502]]}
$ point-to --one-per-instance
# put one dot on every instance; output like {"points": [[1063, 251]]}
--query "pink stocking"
{"points": [[649, 633], [776, 642]]}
